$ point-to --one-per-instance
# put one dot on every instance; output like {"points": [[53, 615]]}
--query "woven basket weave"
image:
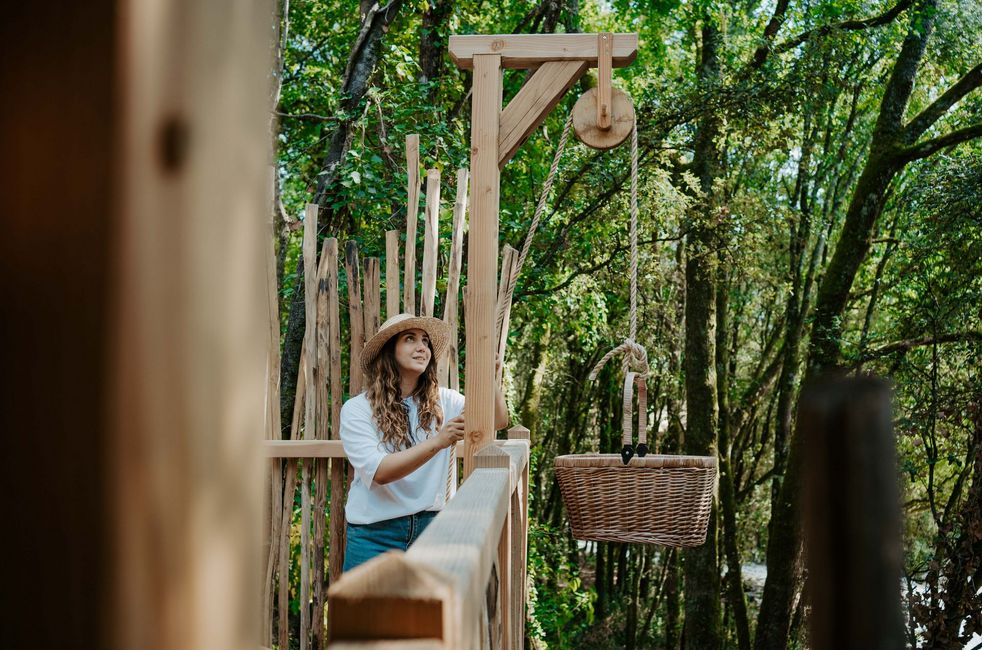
{"points": [[651, 500]]}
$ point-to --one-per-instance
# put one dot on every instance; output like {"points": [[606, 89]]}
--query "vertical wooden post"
{"points": [[310, 411], [482, 256], [337, 540], [448, 370], [183, 411], [431, 239], [412, 210], [328, 264], [852, 513], [372, 296], [605, 51], [509, 262], [520, 529], [289, 489], [356, 318], [273, 471], [391, 273]]}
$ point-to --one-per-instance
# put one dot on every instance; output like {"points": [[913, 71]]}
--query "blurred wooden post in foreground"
{"points": [[851, 506]]}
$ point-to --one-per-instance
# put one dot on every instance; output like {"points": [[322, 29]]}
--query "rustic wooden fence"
{"points": [[313, 459]]}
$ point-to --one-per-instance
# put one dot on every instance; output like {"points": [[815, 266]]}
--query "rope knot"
{"points": [[635, 356]]}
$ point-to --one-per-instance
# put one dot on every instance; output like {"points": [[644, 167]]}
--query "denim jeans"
{"points": [[365, 541]]}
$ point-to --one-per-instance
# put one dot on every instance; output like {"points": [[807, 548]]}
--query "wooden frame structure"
{"points": [[559, 61]]}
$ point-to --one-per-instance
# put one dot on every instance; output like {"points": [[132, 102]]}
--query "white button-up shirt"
{"points": [[423, 489]]}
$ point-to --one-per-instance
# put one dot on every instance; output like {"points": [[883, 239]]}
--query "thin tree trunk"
{"points": [[702, 609]]}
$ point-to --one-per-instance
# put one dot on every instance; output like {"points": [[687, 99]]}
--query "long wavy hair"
{"points": [[384, 394]]}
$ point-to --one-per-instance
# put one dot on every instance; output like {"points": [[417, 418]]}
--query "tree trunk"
{"points": [[702, 610], [727, 492], [362, 62], [433, 42], [884, 162]]}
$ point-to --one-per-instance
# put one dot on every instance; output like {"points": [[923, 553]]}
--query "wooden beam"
{"points": [[527, 110], [178, 417], [529, 50], [482, 256], [431, 240], [412, 211], [391, 273], [448, 370], [337, 534], [605, 48], [391, 598], [355, 316], [373, 290], [318, 449], [310, 413]]}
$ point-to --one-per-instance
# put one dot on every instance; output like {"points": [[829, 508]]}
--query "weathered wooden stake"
{"points": [[391, 273], [412, 210]]}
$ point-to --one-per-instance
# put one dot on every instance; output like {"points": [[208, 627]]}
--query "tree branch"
{"points": [[908, 344], [774, 24], [587, 270], [931, 114], [847, 25], [928, 147]]}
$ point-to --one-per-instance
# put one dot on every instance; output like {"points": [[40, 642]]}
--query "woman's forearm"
{"points": [[400, 464]]}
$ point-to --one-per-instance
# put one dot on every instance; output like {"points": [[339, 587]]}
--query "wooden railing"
{"points": [[463, 583], [473, 554]]}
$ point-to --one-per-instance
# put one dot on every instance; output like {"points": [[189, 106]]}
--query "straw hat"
{"points": [[437, 330]]}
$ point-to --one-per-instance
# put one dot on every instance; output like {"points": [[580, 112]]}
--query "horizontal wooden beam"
{"points": [[317, 449], [531, 50]]}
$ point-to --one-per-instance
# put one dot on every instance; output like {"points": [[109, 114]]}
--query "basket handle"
{"points": [[628, 450]]}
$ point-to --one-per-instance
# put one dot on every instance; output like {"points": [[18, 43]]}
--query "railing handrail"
{"points": [[440, 588]]}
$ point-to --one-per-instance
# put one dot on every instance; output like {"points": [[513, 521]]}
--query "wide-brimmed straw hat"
{"points": [[437, 330]]}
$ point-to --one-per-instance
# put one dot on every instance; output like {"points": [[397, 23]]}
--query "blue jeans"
{"points": [[365, 541]]}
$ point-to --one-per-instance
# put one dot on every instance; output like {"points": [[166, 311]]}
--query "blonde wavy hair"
{"points": [[384, 394]]}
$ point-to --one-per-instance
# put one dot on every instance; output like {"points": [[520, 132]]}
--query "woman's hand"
{"points": [[452, 432]]}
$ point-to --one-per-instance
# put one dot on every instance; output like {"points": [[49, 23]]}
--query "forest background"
{"points": [[810, 192]]}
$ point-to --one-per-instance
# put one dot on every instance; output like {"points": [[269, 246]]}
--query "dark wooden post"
{"points": [[852, 514]]}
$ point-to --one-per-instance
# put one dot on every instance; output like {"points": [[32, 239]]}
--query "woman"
{"points": [[398, 435]]}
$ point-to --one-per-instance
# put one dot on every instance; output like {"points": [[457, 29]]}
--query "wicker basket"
{"points": [[652, 499]]}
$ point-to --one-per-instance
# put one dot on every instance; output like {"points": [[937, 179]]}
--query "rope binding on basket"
{"points": [[635, 355]]}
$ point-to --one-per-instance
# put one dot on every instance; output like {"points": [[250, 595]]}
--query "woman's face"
{"points": [[412, 351]]}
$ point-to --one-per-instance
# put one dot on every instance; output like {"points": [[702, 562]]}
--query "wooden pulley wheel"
{"points": [[586, 121]]}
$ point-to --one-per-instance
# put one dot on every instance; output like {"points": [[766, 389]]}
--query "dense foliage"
{"points": [[765, 136]]}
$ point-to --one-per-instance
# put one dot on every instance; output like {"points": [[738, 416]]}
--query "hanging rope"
{"points": [[539, 209], [634, 353]]}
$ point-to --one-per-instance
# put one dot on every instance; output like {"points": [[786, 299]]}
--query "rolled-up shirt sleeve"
{"points": [[361, 441]]}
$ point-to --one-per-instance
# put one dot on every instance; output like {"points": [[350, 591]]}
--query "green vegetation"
{"points": [[810, 199]]}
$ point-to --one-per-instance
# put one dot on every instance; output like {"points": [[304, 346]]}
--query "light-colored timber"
{"points": [[482, 255], [533, 103], [412, 212], [392, 294], [448, 370], [431, 234], [531, 50], [605, 49]]}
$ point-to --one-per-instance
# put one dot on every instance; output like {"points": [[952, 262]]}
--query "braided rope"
{"points": [[634, 353], [539, 209]]}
